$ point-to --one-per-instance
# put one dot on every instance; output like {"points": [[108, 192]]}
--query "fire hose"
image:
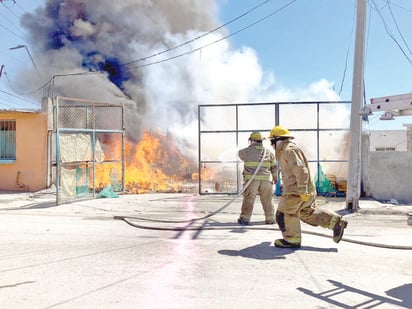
{"points": [[127, 219], [182, 229], [214, 212]]}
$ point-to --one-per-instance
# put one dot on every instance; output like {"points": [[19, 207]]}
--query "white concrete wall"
{"points": [[396, 139], [388, 175]]}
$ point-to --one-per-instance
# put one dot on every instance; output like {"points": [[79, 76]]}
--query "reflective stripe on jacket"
{"points": [[251, 157], [294, 169]]}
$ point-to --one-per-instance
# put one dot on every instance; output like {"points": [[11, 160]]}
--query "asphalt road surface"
{"points": [[79, 256]]}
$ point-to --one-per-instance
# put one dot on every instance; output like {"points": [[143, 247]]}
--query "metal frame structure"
{"points": [[236, 130], [95, 118]]}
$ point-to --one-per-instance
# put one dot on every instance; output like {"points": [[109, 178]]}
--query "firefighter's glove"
{"points": [[305, 197]]}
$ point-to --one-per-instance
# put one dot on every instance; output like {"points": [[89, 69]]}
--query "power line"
{"points": [[388, 31], [27, 93], [397, 27], [347, 52], [399, 6], [21, 8], [198, 37], [12, 13], [4, 17], [216, 41], [12, 32], [3, 2], [20, 98]]}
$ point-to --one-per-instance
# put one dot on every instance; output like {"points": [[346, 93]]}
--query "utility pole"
{"points": [[354, 177]]}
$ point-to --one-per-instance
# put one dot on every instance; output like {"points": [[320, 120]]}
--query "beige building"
{"points": [[23, 150]]}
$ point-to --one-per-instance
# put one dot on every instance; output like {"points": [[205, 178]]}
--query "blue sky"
{"points": [[308, 41]]}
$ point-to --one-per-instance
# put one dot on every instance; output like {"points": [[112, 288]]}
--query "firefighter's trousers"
{"points": [[265, 190], [292, 210]]}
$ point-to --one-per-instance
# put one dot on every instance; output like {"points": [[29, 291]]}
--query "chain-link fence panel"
{"points": [[88, 149], [321, 129]]}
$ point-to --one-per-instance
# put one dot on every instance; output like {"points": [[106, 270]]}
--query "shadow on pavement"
{"points": [[267, 251], [403, 295], [33, 206]]}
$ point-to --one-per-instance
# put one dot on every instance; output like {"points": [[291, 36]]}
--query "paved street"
{"points": [[84, 255]]}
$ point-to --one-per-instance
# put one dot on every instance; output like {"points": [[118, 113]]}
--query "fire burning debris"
{"points": [[155, 164]]}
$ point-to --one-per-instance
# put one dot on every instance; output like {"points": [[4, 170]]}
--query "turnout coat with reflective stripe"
{"points": [[294, 169], [251, 156]]}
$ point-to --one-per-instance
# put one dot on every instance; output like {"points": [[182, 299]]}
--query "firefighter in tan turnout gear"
{"points": [[262, 181], [298, 194]]}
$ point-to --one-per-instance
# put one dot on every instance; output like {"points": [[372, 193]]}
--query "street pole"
{"points": [[354, 177]]}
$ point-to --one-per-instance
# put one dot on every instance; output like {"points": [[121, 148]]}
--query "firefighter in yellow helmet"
{"points": [[262, 181], [298, 200]]}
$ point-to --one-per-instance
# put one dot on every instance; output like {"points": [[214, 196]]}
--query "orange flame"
{"points": [[154, 164]]}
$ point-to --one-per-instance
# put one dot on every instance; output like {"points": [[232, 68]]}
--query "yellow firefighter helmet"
{"points": [[279, 131], [256, 136]]}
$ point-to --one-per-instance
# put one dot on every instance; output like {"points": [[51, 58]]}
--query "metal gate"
{"points": [[320, 128], [88, 151]]}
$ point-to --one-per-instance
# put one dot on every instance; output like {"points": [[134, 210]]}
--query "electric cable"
{"points": [[4, 4], [198, 37], [388, 31], [31, 91], [12, 32], [21, 98], [400, 6], [347, 53], [397, 28], [214, 42], [10, 22]]}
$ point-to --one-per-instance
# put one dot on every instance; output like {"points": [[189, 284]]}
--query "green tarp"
{"points": [[323, 184]]}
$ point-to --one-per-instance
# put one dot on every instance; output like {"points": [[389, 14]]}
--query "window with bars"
{"points": [[7, 139]]}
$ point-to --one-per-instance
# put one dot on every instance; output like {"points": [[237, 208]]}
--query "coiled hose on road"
{"points": [[188, 228], [203, 228]]}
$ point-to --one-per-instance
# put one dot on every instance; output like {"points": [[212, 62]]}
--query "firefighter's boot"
{"points": [[338, 230], [242, 221], [281, 243]]}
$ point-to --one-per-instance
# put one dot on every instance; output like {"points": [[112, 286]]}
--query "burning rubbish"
{"points": [[155, 164]]}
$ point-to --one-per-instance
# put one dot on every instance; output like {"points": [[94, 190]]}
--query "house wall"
{"points": [[31, 152], [388, 139], [388, 175]]}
